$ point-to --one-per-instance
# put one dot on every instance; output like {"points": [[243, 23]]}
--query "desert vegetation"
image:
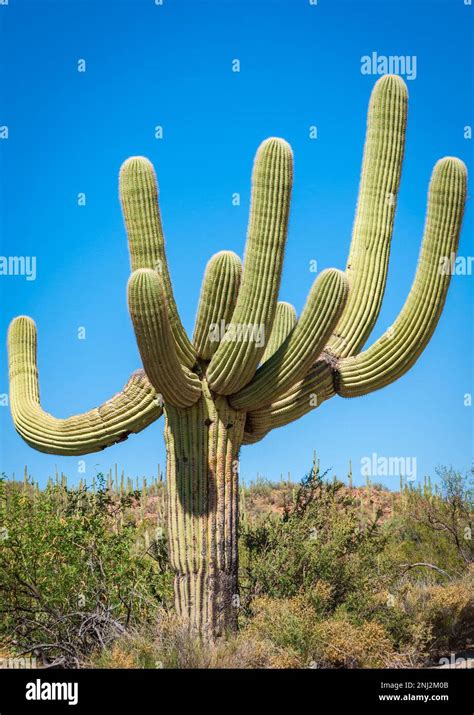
{"points": [[331, 575]]}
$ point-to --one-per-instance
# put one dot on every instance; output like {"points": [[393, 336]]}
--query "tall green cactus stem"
{"points": [[149, 312], [219, 292], [234, 362], [202, 475], [285, 321], [226, 388], [139, 196], [369, 253]]}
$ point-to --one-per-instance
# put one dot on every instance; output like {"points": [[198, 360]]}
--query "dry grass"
{"points": [[172, 646]]}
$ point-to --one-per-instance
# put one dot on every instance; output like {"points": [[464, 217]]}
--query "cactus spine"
{"points": [[218, 392]]}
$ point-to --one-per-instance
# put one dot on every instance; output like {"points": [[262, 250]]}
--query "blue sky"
{"points": [[171, 65]]}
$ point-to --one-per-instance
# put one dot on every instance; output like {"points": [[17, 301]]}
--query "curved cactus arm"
{"points": [[129, 411], [149, 312], [298, 352], [141, 211], [309, 393], [219, 291], [285, 321], [237, 357], [392, 355], [369, 254]]}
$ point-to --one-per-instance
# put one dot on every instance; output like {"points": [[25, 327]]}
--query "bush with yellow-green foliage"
{"points": [[295, 626], [446, 611]]}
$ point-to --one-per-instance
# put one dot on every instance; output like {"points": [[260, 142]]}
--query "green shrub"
{"points": [[338, 643], [72, 577], [320, 537], [295, 627]]}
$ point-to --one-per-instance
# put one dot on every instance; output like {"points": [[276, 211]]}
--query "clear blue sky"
{"points": [[170, 65]]}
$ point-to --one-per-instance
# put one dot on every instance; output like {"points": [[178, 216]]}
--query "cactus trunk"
{"points": [[202, 443]]}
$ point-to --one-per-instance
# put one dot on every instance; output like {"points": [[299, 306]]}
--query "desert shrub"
{"points": [[320, 537], [410, 636], [446, 612], [295, 627], [436, 527], [379, 487], [338, 643], [130, 650], [287, 622], [177, 647], [72, 578], [424, 619], [246, 652]]}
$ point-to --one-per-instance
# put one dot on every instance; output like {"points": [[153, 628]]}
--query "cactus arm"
{"points": [[392, 355], [219, 291], [141, 211], [300, 349], [129, 411], [149, 312], [285, 321], [396, 351], [235, 361], [369, 254], [309, 393]]}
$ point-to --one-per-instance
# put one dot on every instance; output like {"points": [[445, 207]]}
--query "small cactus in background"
{"points": [[219, 391]]}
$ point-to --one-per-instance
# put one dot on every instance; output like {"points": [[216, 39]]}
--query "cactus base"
{"points": [[207, 602]]}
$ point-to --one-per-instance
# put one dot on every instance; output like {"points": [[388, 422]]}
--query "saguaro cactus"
{"points": [[251, 366]]}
